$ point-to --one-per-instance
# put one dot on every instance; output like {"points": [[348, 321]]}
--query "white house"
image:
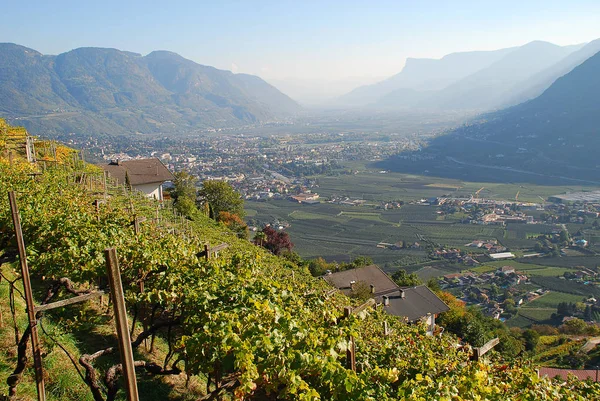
{"points": [[145, 175]]}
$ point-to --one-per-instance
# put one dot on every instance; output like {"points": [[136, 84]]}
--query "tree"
{"points": [[404, 279], [587, 314], [494, 290], [234, 223], [318, 266], [221, 197], [531, 338], [434, 285], [362, 261], [509, 346], [510, 306], [573, 326], [276, 241], [184, 193], [361, 291]]}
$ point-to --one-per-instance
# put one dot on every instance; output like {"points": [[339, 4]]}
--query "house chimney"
{"points": [[372, 289], [386, 300], [402, 294]]}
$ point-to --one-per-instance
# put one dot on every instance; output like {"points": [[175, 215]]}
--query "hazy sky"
{"points": [[301, 38]]}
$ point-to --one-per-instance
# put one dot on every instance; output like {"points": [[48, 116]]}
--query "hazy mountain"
{"points": [[553, 136], [97, 90], [536, 85], [319, 91], [405, 98], [426, 74], [488, 87], [472, 80]]}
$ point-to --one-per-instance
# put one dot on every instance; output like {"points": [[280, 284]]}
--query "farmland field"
{"points": [[551, 299], [372, 185], [343, 232], [537, 315], [573, 261], [540, 310], [567, 286], [533, 269], [330, 230]]}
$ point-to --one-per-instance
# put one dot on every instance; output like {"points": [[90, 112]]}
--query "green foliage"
{"points": [[184, 193], [221, 197], [577, 326], [531, 338], [122, 93], [510, 346], [248, 315], [404, 279], [361, 291], [433, 284], [361, 261], [318, 266]]}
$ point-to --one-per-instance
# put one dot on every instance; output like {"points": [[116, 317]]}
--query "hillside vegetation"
{"points": [[107, 91], [548, 140], [247, 325]]}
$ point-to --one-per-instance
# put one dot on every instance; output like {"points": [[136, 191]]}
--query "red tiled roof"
{"points": [[563, 373]]}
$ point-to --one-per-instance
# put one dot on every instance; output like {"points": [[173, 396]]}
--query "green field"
{"points": [[533, 269], [540, 310], [341, 232], [538, 316], [483, 269], [551, 299], [372, 185]]}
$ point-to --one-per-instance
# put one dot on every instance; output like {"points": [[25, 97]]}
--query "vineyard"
{"points": [[341, 233], [244, 325]]}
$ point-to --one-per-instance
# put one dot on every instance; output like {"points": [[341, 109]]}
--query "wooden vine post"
{"points": [[116, 290], [351, 351], [35, 344]]}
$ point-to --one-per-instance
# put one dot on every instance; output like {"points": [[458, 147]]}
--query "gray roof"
{"points": [[371, 275], [140, 172], [417, 301]]}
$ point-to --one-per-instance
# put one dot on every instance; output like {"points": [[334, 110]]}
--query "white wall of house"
{"points": [[430, 321], [153, 190]]}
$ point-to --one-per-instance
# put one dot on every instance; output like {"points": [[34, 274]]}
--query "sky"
{"points": [[302, 39]]}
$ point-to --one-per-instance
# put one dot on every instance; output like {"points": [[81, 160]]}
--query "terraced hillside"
{"points": [[245, 325]]}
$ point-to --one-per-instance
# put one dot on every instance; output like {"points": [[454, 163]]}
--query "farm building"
{"points": [[502, 255], [145, 175]]}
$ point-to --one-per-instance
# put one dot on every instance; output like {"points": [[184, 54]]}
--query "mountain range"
{"points": [[473, 81], [552, 138], [108, 91]]}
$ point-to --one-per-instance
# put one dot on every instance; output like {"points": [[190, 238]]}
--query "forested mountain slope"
{"points": [[97, 90], [551, 137]]}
